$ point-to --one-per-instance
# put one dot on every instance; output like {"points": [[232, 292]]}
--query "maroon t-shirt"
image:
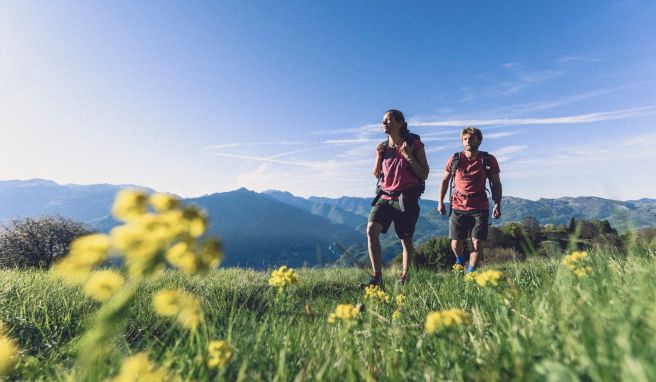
{"points": [[397, 172], [470, 180]]}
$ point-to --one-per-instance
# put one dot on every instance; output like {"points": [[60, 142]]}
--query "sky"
{"points": [[200, 97]]}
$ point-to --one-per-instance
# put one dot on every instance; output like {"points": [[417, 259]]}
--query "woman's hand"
{"points": [[380, 151], [407, 150]]}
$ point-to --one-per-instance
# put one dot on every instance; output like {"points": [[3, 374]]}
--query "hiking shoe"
{"points": [[373, 280]]}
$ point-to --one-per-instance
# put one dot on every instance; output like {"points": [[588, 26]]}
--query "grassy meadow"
{"points": [[541, 322]]}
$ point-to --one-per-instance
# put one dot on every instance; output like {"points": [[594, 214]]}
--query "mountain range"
{"points": [[263, 230]]}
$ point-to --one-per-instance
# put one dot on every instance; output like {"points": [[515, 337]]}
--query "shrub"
{"points": [[502, 255], [550, 248], [434, 254], [37, 242]]}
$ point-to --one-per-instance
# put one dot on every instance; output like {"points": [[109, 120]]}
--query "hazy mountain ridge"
{"points": [[276, 227]]}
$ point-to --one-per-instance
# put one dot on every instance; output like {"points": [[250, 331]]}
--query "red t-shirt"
{"points": [[397, 173], [470, 179]]}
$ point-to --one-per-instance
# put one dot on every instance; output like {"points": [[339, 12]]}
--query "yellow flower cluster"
{"points": [[8, 353], [282, 277], [458, 268], [471, 276], [400, 301], [576, 263], [490, 277], [221, 353], [84, 253], [147, 240], [171, 232], [375, 293], [181, 306], [436, 321], [343, 312], [102, 285], [138, 368]]}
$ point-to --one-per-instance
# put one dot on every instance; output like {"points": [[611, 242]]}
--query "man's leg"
{"points": [[478, 245], [478, 236], [373, 242], [457, 248]]}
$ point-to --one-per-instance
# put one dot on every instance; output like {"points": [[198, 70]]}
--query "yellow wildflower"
{"points": [[162, 202], [90, 250], [488, 277], [471, 276], [396, 315], [84, 253], [221, 353], [181, 256], [138, 368], [344, 312], [400, 300], [436, 321], [181, 306], [102, 285], [8, 355], [196, 220], [457, 268], [211, 254], [575, 262], [130, 204], [282, 278], [375, 293], [70, 271]]}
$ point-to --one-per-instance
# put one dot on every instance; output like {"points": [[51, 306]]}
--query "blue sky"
{"points": [[202, 97]]}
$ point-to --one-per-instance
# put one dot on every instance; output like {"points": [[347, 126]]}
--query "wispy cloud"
{"points": [[571, 119]]}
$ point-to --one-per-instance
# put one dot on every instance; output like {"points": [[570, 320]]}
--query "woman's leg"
{"points": [[373, 242]]}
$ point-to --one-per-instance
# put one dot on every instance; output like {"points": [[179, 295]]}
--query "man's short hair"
{"points": [[471, 130]]}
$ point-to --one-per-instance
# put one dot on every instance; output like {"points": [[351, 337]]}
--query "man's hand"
{"points": [[496, 211], [441, 208]]}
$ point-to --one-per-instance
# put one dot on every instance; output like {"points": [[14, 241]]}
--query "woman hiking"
{"points": [[401, 168]]}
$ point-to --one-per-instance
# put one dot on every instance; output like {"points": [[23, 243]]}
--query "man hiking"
{"points": [[401, 168], [466, 173]]}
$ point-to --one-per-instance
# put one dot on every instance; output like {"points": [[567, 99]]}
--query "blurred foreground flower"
{"points": [[8, 355], [102, 285], [436, 321], [181, 306], [85, 252], [282, 278], [471, 276], [576, 263], [490, 277], [375, 293], [343, 312], [139, 368], [221, 353]]}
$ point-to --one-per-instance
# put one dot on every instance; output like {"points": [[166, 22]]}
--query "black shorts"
{"points": [[465, 224], [387, 211]]}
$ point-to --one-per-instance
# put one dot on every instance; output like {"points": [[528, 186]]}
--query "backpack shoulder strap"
{"points": [[485, 158]]}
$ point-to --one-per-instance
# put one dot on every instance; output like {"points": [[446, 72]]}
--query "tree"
{"points": [[38, 242], [571, 227]]}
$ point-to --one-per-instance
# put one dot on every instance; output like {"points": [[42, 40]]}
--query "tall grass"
{"points": [[540, 323]]}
